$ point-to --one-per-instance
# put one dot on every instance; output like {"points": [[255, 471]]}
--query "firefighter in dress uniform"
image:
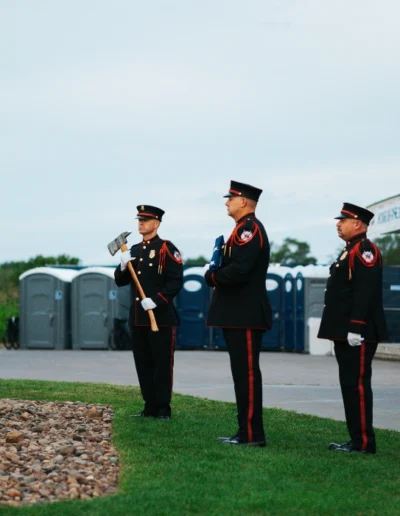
{"points": [[158, 265], [240, 306], [354, 319]]}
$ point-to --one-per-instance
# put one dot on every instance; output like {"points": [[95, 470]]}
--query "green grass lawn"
{"points": [[178, 467]]}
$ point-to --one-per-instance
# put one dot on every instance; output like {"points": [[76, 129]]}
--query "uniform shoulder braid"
{"points": [[366, 252], [245, 232], [168, 249]]}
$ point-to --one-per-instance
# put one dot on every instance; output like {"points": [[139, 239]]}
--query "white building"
{"points": [[387, 217]]}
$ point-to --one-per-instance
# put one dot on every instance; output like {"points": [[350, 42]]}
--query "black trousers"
{"points": [[244, 352], [153, 353], [355, 373]]}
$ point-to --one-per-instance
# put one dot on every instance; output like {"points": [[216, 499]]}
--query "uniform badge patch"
{"points": [[368, 256], [246, 235], [343, 256], [152, 254]]}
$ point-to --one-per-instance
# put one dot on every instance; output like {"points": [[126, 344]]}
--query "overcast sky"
{"points": [[107, 105]]}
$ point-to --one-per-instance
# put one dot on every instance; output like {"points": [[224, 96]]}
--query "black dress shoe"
{"points": [[349, 448], [163, 417], [236, 436], [333, 446], [241, 442], [141, 414]]}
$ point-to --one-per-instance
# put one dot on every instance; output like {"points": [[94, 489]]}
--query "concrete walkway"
{"points": [[303, 383]]}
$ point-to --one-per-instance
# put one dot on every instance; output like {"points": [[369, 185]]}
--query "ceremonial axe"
{"points": [[119, 244]]}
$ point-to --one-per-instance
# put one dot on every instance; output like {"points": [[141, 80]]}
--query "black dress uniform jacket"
{"points": [[353, 297], [158, 265], [240, 298]]}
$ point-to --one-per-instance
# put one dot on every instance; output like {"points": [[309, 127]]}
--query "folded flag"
{"points": [[218, 253]]}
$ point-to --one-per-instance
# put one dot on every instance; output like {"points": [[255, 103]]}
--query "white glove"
{"points": [[354, 339], [205, 268], [148, 303], [125, 258]]}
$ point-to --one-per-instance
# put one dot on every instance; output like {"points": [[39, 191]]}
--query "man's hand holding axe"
{"points": [[119, 244]]}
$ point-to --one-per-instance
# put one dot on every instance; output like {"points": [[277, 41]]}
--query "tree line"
{"points": [[294, 252]]}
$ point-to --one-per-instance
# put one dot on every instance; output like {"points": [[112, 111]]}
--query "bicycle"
{"points": [[119, 338], [10, 338]]}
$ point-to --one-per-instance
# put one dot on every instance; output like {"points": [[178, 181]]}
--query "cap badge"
{"points": [[142, 208], [177, 255]]}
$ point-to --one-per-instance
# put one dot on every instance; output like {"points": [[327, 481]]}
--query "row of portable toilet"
{"points": [[295, 295], [63, 308]]}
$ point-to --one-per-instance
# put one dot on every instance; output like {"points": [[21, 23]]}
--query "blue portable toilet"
{"points": [[299, 313], [273, 338], [289, 294], [192, 304]]}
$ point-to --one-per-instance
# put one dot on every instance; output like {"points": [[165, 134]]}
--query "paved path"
{"points": [[303, 383]]}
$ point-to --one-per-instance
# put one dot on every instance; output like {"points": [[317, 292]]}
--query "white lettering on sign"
{"points": [[387, 216], [395, 288]]}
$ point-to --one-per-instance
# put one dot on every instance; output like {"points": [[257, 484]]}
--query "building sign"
{"points": [[387, 217]]}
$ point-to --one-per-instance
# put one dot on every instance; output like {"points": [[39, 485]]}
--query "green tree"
{"points": [[389, 246], [13, 270], [200, 260], [292, 252]]}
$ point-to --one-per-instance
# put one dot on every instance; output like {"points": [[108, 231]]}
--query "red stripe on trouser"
{"points": [[251, 385], [362, 398], [172, 357]]}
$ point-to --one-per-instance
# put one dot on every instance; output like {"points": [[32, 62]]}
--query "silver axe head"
{"points": [[116, 244]]}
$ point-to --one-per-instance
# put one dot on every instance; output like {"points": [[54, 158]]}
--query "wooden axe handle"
{"points": [[153, 323]]}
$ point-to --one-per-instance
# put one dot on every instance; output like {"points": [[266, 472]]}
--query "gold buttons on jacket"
{"points": [[137, 299], [337, 265], [139, 272], [141, 259], [150, 265]]}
